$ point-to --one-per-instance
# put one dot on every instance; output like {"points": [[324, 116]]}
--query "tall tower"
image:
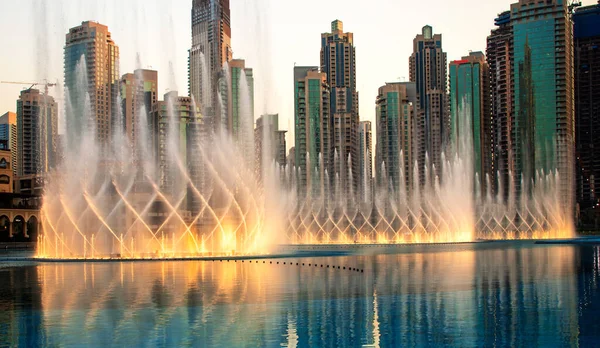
{"points": [[587, 105], [237, 113], [397, 144], [338, 62], [312, 120], [365, 144], [542, 87], [470, 112], [178, 133], [270, 143], [91, 71], [428, 70], [499, 53], [138, 94], [211, 49], [37, 131], [8, 132]]}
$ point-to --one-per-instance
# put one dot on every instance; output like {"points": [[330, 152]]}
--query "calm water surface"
{"points": [[500, 294]]}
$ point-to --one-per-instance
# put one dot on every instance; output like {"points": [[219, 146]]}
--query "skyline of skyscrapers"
{"points": [[520, 96]]}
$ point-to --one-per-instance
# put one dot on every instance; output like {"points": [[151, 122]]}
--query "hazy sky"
{"points": [[271, 35]]}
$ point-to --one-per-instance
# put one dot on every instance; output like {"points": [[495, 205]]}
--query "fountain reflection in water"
{"points": [[114, 200]]}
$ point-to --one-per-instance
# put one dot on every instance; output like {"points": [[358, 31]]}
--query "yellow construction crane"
{"points": [[46, 84]]}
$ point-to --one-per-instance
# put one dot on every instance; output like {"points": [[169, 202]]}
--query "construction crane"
{"points": [[574, 4], [46, 84]]}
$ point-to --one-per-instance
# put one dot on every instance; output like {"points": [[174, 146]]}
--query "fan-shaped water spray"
{"points": [[181, 188]]}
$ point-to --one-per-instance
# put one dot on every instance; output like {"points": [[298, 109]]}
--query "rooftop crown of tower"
{"points": [[427, 32], [337, 25]]}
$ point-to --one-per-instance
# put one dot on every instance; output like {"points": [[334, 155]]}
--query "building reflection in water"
{"points": [[474, 295]]}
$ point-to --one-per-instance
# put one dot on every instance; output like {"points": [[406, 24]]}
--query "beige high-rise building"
{"points": [[91, 70], [365, 141], [270, 145], [398, 144], [37, 132], [138, 94], [338, 62], [211, 49], [428, 69]]}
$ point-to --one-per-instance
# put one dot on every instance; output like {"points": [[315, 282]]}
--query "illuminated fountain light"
{"points": [[205, 199]]}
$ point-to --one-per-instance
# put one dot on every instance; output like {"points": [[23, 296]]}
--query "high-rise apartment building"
{"points": [[365, 146], [312, 120], [237, 114], [499, 53], [37, 131], [291, 158], [211, 49], [397, 145], [177, 126], [8, 133], [138, 94], [587, 105], [91, 70], [470, 114], [270, 143], [542, 87], [338, 62], [428, 69]]}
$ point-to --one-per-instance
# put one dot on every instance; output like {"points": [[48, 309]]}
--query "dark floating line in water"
{"points": [[180, 259]]}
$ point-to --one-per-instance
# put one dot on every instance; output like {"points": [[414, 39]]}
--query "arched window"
{"points": [[4, 179], [3, 163]]}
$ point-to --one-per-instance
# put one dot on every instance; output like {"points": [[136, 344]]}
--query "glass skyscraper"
{"points": [[470, 119], [312, 120], [586, 22], [542, 86], [237, 113]]}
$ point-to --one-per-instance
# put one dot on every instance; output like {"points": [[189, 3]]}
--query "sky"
{"points": [[272, 35]]}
